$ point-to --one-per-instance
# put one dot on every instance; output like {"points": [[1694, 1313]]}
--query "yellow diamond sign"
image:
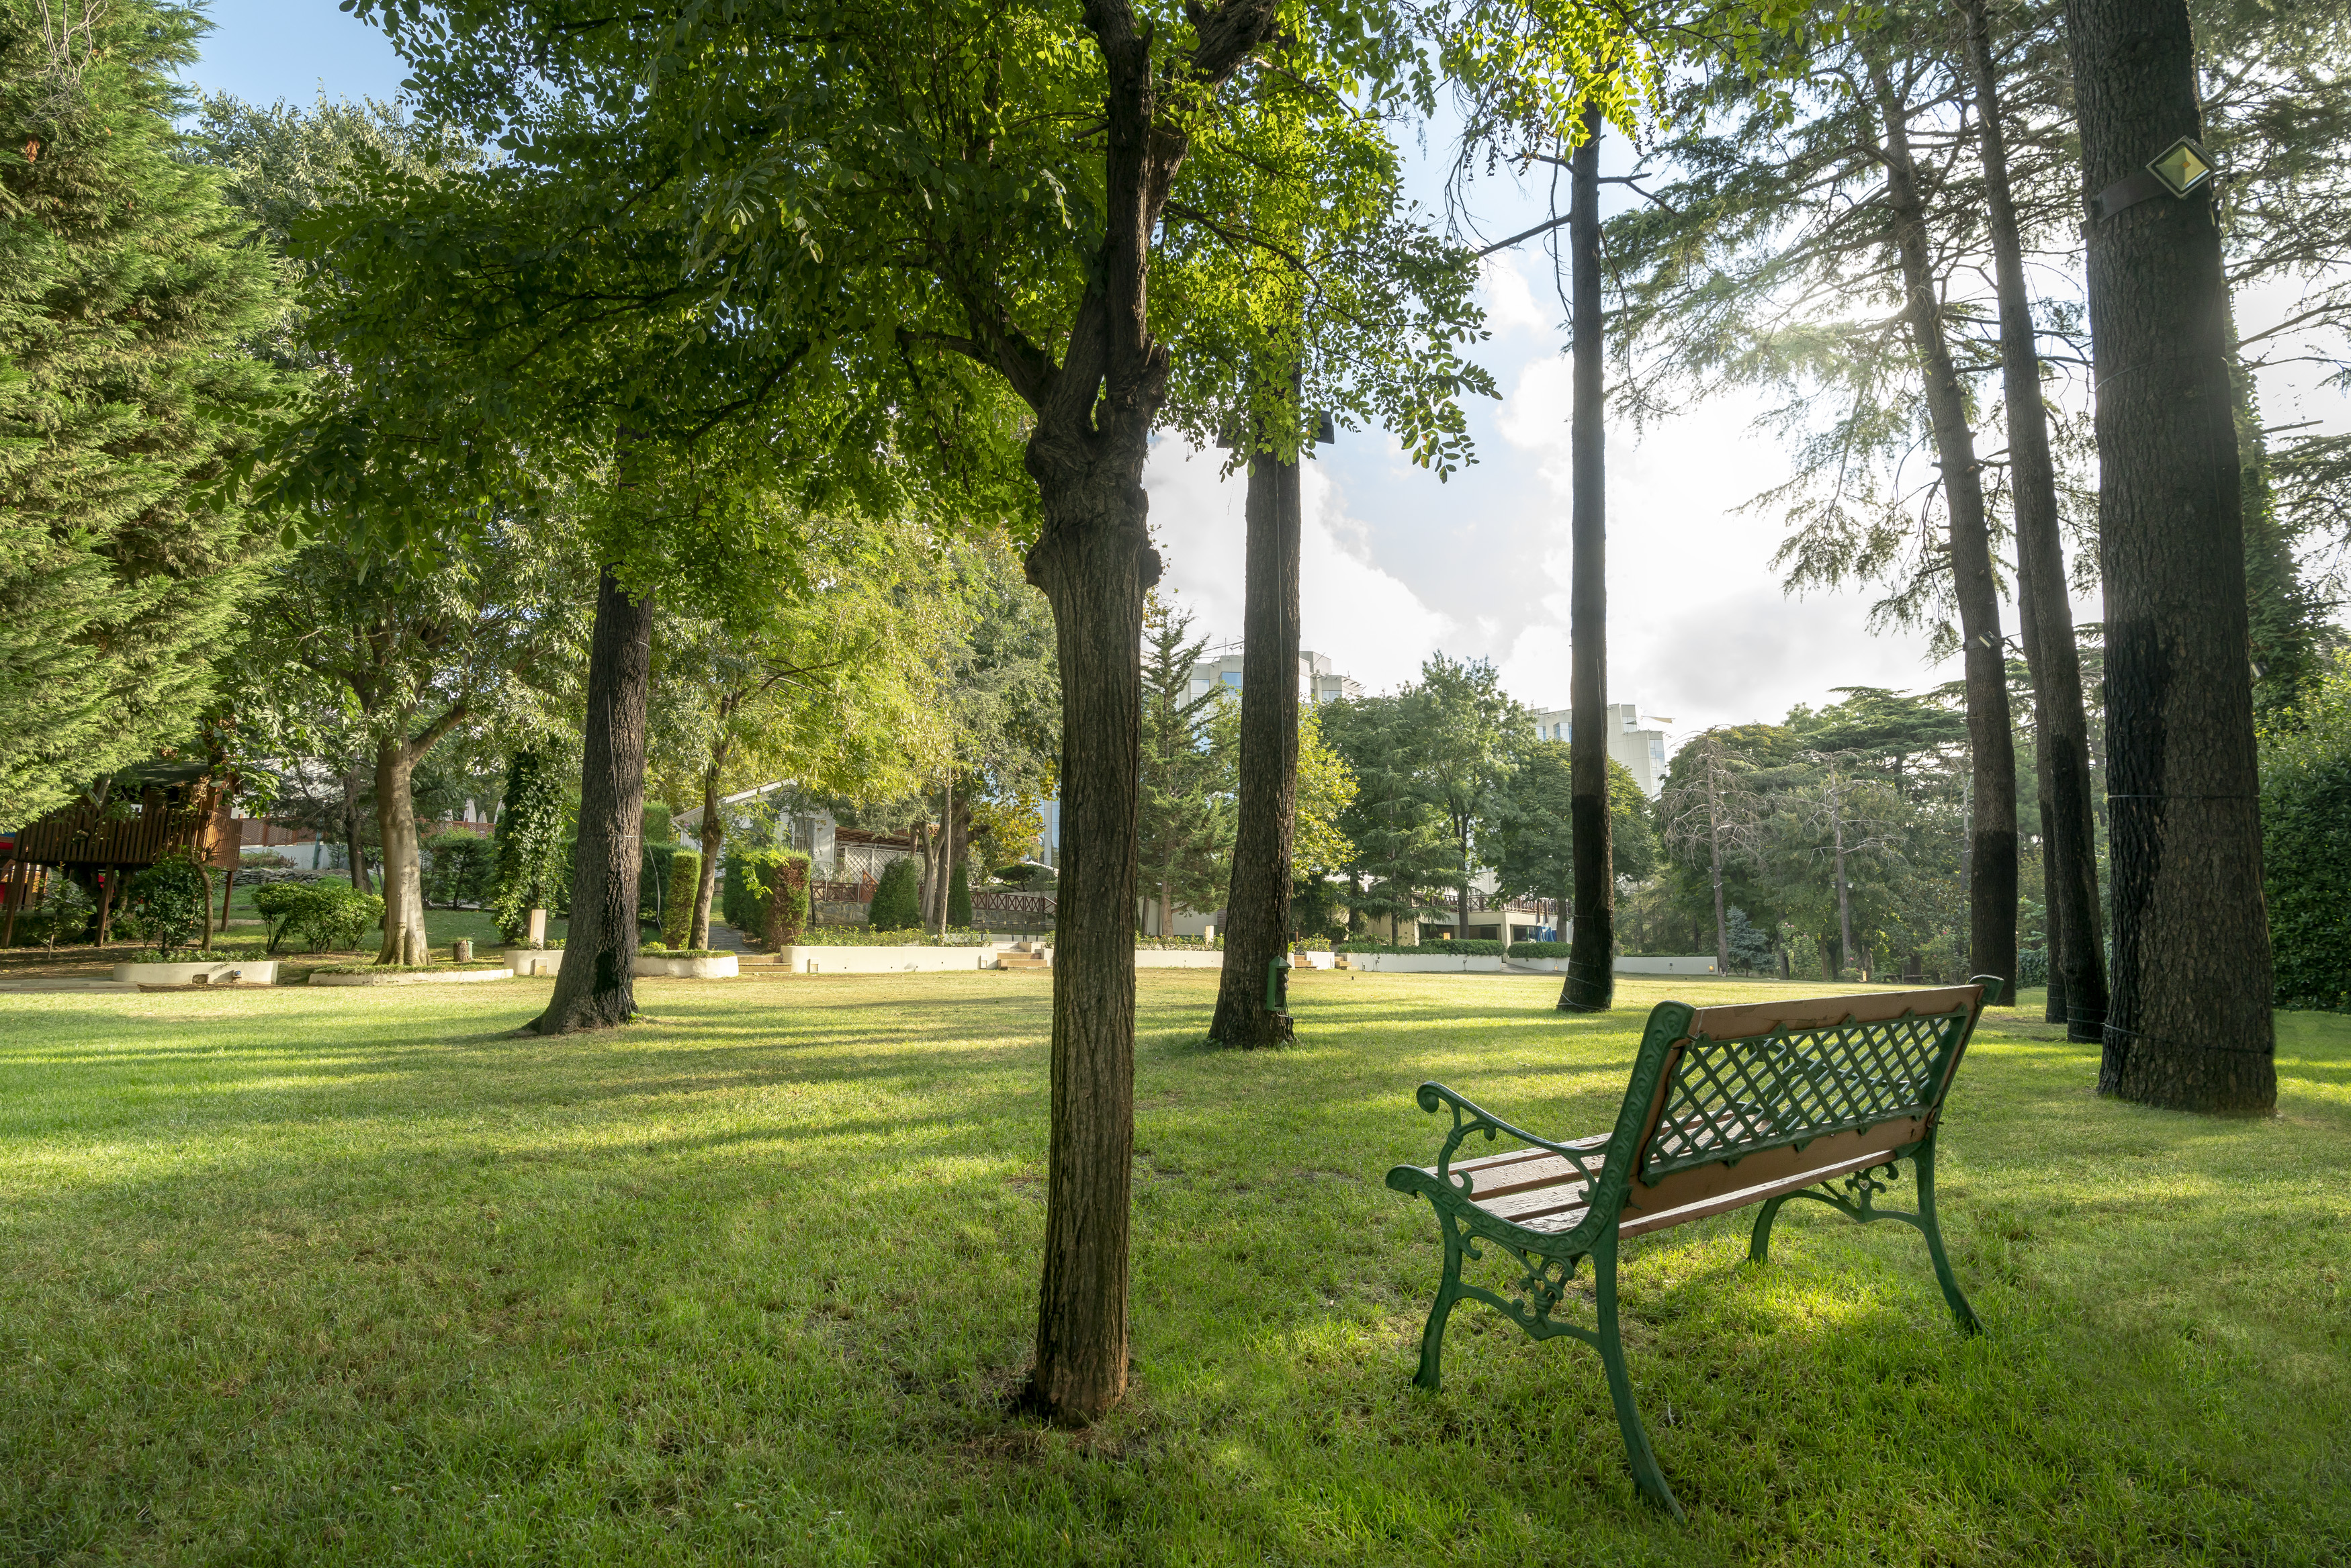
{"points": [[2183, 166]]}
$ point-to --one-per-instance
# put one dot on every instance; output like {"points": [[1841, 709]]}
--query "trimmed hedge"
{"points": [[897, 898], [677, 898], [1542, 949], [2305, 853]]}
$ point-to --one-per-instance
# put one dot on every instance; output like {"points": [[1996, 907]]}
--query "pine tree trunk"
{"points": [[2188, 1024], [395, 823], [2068, 823], [592, 989], [714, 840], [1093, 563], [1591, 985], [1257, 907], [1992, 876], [1721, 923], [1845, 898]]}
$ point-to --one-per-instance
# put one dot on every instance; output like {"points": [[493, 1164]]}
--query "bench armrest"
{"points": [[1468, 1119]]}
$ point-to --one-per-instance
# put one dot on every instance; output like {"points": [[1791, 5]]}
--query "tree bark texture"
{"points": [[1591, 985], [592, 989], [1093, 561], [1992, 874], [714, 840], [403, 872], [2188, 1024], [1257, 908], [1091, 564], [2068, 823]]}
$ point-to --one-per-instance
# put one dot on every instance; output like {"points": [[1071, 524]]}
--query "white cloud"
{"points": [[1510, 300], [1372, 624]]}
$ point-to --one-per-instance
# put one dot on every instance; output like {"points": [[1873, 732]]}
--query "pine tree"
{"points": [[1187, 817], [125, 288]]}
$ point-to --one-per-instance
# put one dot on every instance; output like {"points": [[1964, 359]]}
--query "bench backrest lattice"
{"points": [[1725, 1098]]}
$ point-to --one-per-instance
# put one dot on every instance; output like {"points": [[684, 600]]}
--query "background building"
{"points": [[1317, 682], [1636, 738]]}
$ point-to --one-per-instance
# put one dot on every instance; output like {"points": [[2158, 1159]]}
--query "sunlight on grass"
{"points": [[358, 1276]]}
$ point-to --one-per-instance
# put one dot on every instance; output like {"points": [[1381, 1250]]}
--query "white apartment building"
{"points": [[1636, 738], [1316, 680]]}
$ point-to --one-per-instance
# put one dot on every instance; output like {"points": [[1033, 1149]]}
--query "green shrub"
{"points": [[867, 937], [62, 914], [332, 917], [677, 902], [534, 857], [459, 868], [785, 910], [959, 895], [1542, 949], [2032, 967], [2305, 851], [168, 900], [897, 898]]}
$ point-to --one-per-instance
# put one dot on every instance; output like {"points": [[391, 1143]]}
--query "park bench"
{"points": [[1747, 1104]]}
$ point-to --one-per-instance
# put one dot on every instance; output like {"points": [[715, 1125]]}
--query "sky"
{"points": [[1397, 565]]}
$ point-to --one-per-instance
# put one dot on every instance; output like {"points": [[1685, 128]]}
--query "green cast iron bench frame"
{"points": [[1753, 1102]]}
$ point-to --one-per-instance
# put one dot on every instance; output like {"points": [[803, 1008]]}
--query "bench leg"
{"points": [[1647, 1476], [1923, 1164], [1759, 1245], [1448, 1291]]}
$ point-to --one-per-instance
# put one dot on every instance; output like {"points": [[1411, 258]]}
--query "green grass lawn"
{"points": [[442, 927], [353, 1276]]}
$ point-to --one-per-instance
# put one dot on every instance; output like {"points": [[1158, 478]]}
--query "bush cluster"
{"points": [[330, 916], [1542, 949], [169, 899]]}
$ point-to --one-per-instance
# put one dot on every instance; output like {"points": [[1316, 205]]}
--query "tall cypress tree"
{"points": [[126, 287]]}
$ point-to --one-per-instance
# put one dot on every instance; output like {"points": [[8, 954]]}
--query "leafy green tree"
{"points": [[1532, 841], [1464, 725], [124, 398], [1395, 831]]}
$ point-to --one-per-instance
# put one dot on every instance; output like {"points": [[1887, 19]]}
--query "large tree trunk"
{"points": [[2068, 823], [1093, 563], [713, 839], [592, 989], [403, 873], [2188, 1024], [1991, 877], [1591, 984], [1256, 910]]}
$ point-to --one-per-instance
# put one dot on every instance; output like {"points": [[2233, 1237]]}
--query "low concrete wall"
{"points": [[1428, 963], [723, 967], [454, 977], [1695, 963], [239, 972], [1470, 963], [543, 961], [885, 960], [1177, 958]]}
